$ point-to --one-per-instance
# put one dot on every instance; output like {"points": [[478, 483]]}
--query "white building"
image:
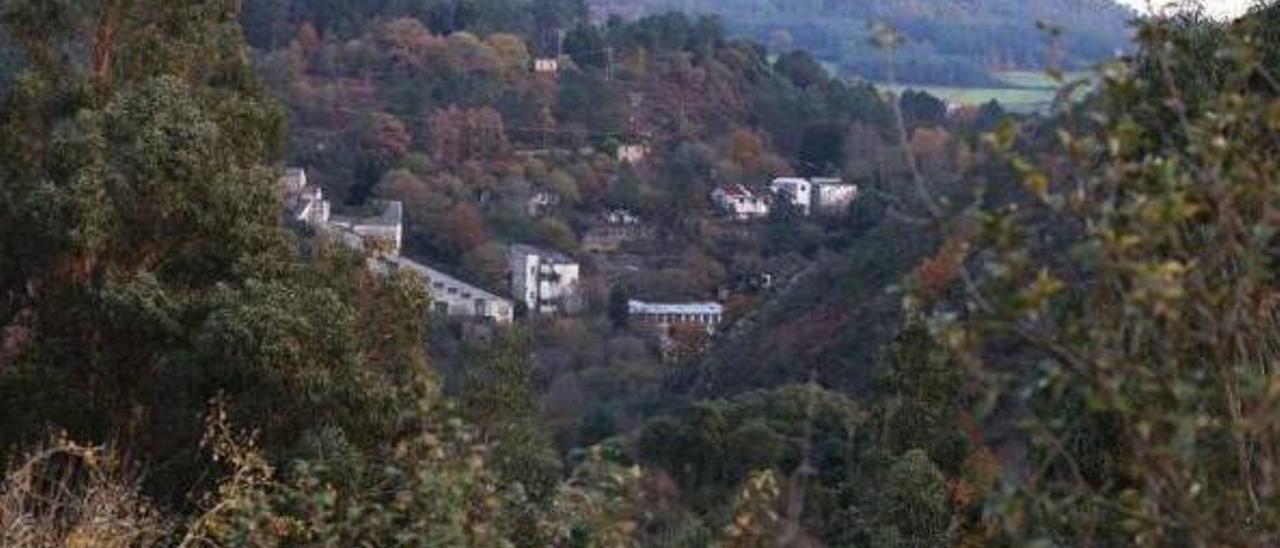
{"points": [[632, 153], [381, 231], [665, 316], [833, 196], [620, 217], [798, 191], [739, 202], [546, 65], [540, 202], [546, 281], [457, 299]]}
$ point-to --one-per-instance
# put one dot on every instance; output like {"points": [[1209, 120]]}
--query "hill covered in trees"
{"points": [[946, 42], [1054, 330]]}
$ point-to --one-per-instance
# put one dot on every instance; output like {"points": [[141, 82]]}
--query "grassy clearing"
{"points": [[1026, 91], [1013, 99]]}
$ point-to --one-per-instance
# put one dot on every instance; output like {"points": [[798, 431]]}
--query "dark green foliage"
{"points": [[618, 309], [1139, 364], [145, 264], [921, 109], [713, 446], [801, 69]]}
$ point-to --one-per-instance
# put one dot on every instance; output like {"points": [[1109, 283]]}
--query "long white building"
{"points": [[457, 299], [668, 315]]}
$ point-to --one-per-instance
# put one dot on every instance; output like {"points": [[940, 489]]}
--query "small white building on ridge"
{"points": [[379, 233]]}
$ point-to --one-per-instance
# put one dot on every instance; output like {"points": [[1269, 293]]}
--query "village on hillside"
{"points": [[548, 282]]}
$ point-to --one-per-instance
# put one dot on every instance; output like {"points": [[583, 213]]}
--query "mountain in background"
{"points": [[949, 42]]}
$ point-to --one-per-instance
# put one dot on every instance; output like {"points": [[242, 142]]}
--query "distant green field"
{"points": [[1027, 91]]}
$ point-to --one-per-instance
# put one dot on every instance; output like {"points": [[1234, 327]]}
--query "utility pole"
{"points": [[608, 63], [637, 100]]}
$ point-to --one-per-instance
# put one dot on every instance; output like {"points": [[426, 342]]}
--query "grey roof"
{"points": [[641, 307], [434, 275], [391, 213], [388, 213]]}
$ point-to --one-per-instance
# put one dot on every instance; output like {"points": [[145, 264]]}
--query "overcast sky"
{"points": [[1220, 8]]}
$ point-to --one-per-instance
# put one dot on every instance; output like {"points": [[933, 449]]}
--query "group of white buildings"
{"points": [[544, 281], [823, 196], [380, 233]]}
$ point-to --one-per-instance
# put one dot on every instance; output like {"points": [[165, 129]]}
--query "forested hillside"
{"points": [[947, 42], [1022, 330]]}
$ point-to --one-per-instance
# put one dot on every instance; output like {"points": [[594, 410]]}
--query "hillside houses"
{"points": [[378, 230], [545, 281], [821, 196]]}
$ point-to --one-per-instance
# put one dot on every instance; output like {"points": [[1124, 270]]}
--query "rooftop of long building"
{"points": [[647, 308]]}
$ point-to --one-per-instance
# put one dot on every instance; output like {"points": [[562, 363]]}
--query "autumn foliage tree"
{"points": [[1146, 362]]}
